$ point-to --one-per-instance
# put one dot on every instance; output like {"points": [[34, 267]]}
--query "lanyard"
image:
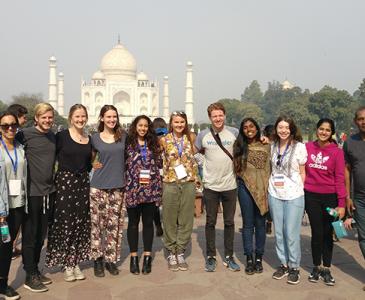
{"points": [[143, 151], [179, 147], [14, 164], [281, 158]]}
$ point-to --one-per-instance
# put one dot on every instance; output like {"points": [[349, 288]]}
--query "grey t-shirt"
{"points": [[111, 156], [354, 150], [218, 172], [40, 152]]}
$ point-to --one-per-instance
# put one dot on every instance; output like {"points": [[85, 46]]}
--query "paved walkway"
{"points": [[348, 270]]}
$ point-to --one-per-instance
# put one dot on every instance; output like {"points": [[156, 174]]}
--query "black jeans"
{"points": [[212, 200], [14, 220], [34, 230], [147, 210], [320, 221]]}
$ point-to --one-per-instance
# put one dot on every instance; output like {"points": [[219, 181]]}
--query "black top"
{"points": [[40, 152], [72, 156], [354, 149]]}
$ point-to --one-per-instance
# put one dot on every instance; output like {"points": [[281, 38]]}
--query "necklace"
{"points": [[77, 136]]}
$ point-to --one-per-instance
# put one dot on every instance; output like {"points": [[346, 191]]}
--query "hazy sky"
{"points": [[231, 43]]}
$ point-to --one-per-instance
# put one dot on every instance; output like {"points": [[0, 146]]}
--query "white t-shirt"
{"points": [[285, 181], [218, 172]]}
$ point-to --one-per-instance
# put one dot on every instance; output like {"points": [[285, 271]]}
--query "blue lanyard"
{"points": [[282, 156], [14, 164], [143, 151], [179, 147]]}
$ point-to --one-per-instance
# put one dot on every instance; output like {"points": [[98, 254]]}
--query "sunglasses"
{"points": [[178, 113], [278, 161], [13, 126]]}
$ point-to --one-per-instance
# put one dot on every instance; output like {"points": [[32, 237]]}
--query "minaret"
{"points": [[61, 100], [189, 99], [52, 84], [166, 113]]}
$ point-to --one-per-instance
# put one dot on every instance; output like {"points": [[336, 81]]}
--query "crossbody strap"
{"points": [[219, 142]]}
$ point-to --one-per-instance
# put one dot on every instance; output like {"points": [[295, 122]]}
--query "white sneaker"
{"points": [[78, 274], [68, 275]]}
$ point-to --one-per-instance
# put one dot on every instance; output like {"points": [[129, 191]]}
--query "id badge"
{"points": [[279, 181], [144, 177], [161, 172], [15, 187], [180, 172]]}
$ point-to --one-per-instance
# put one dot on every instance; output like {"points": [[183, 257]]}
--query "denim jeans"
{"points": [[253, 222], [287, 217], [359, 215]]}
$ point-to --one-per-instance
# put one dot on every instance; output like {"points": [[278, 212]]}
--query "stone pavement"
{"points": [[348, 270]]}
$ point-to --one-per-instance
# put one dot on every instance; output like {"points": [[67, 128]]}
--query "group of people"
{"points": [[78, 188]]}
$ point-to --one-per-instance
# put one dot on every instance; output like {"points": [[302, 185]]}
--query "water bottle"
{"points": [[332, 212], [4, 230]]}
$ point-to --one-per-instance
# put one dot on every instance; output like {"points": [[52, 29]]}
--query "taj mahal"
{"points": [[119, 83]]}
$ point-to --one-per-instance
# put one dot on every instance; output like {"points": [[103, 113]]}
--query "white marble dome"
{"points": [[119, 62], [98, 75], [142, 76]]}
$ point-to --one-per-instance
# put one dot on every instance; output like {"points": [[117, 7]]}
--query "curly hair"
{"points": [[295, 134], [240, 146], [150, 137]]}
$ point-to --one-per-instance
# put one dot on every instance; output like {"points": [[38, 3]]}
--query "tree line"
{"points": [[304, 107], [29, 101]]}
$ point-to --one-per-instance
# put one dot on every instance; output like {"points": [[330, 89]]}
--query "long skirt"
{"points": [[69, 234]]}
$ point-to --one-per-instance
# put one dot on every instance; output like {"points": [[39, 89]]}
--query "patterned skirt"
{"points": [[69, 235]]}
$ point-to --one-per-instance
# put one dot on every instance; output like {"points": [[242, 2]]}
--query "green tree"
{"points": [[3, 106], [338, 105], [275, 97], [359, 94], [237, 110], [30, 101], [253, 93]]}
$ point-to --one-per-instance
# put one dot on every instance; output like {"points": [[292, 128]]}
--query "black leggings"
{"points": [[147, 210], [157, 217], [14, 220], [320, 221]]}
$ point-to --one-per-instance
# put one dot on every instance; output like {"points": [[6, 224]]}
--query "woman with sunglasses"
{"points": [[286, 196], [324, 187], [252, 167], [13, 170], [178, 197]]}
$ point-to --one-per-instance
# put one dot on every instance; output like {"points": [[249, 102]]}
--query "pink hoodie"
{"points": [[325, 171]]}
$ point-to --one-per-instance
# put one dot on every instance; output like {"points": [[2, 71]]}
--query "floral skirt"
{"points": [[69, 235]]}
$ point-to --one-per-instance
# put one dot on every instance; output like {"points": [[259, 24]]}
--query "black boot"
{"points": [[258, 264], [249, 265], [134, 266], [99, 267], [112, 268], [147, 264]]}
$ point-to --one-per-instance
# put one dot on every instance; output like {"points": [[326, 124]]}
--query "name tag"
{"points": [[279, 181], [161, 172], [15, 187], [180, 172], [144, 177]]}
